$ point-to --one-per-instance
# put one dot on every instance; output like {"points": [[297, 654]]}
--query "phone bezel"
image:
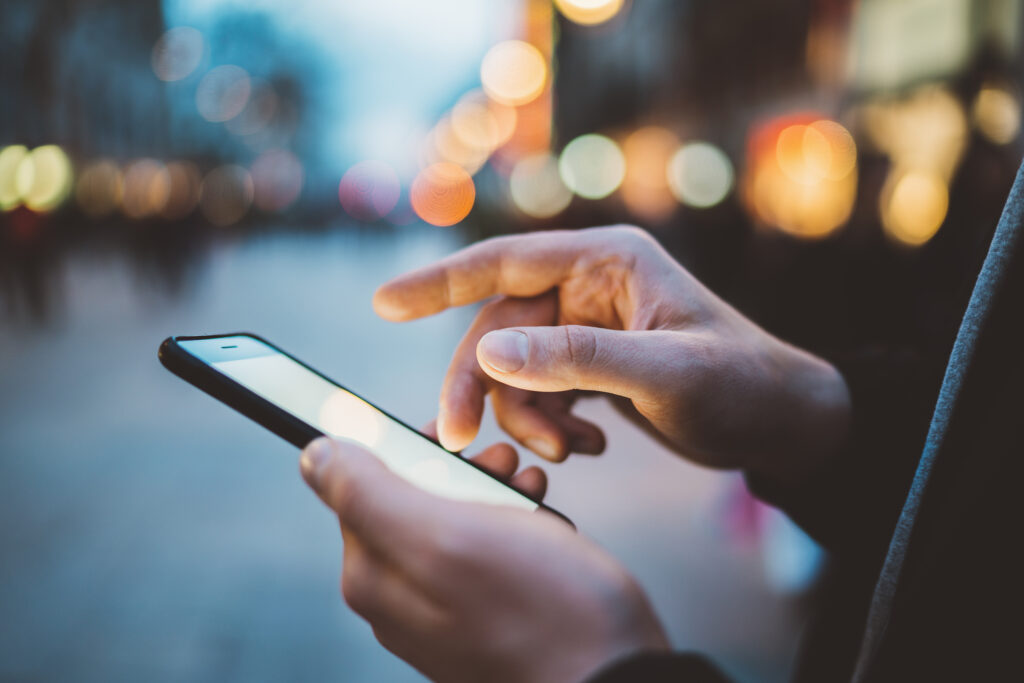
{"points": [[203, 376]]}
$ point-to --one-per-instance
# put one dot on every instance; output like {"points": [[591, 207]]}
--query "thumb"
{"points": [[626, 363], [380, 507]]}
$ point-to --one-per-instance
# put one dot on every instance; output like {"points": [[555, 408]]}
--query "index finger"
{"points": [[517, 265]]}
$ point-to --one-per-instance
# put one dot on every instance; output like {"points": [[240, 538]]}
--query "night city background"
{"points": [[833, 168]]}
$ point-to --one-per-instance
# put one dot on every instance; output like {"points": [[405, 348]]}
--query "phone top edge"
{"points": [[199, 337], [205, 377], [226, 347]]}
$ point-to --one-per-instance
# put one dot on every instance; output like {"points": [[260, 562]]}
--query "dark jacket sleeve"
{"points": [[851, 504], [660, 667]]}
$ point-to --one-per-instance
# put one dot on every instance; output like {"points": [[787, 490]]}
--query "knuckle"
{"points": [[631, 234], [581, 344]]}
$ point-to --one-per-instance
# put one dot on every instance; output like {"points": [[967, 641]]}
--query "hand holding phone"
{"points": [[299, 404], [452, 588], [475, 592]]}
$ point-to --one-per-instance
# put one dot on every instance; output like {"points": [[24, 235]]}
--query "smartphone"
{"points": [[299, 404]]}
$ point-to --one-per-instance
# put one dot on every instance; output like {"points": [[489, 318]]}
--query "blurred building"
{"points": [[107, 82], [77, 75]]}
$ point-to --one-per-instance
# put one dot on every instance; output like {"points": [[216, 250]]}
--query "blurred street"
{"points": [[150, 533]]}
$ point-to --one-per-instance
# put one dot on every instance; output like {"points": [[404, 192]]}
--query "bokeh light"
{"points": [[592, 166], [926, 130], [700, 175], [277, 178], [100, 188], [514, 72], [177, 53], [645, 188], [822, 149], [184, 190], [996, 113], [924, 135], [443, 144], [43, 178], [147, 187], [913, 206], [482, 124], [10, 158], [801, 175], [226, 195], [442, 194], [223, 93], [537, 188], [259, 111], [589, 12], [369, 190]]}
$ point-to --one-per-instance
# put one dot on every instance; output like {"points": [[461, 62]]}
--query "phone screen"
{"points": [[335, 411]]}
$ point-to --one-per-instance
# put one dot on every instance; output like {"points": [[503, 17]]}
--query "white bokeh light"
{"points": [[700, 175], [592, 166]]}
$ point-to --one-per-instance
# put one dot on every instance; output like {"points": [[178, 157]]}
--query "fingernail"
{"points": [[314, 455], [505, 350], [543, 447]]}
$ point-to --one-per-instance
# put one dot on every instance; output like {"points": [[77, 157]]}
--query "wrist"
{"points": [[813, 414], [626, 626]]}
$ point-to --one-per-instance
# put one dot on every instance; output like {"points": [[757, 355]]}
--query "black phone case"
{"points": [[258, 409]]}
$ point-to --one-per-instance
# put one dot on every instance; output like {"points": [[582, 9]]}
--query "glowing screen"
{"points": [[341, 414]]}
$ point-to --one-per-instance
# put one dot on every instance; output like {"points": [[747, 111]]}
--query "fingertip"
{"points": [[313, 457], [460, 410], [386, 305], [451, 434], [500, 459], [533, 481], [551, 449], [454, 443], [590, 443]]}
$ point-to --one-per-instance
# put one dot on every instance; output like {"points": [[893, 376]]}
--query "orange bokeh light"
{"points": [[913, 206], [442, 194], [100, 188], [482, 124], [801, 175], [183, 198], [443, 144], [514, 72], [147, 186], [589, 12], [645, 189]]}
